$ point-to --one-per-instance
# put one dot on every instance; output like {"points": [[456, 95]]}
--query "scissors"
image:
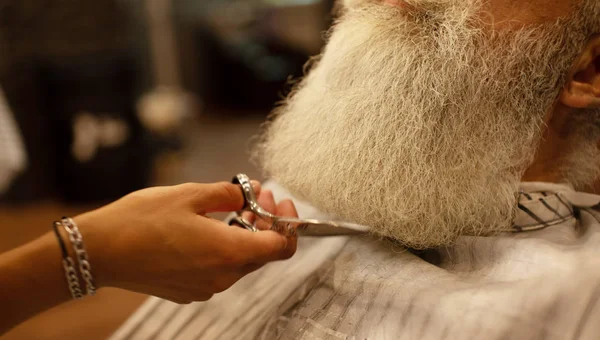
{"points": [[288, 226]]}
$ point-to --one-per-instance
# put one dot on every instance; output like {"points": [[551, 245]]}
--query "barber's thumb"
{"points": [[221, 197], [267, 246]]}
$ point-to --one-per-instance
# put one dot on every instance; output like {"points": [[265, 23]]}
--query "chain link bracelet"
{"points": [[76, 239], [69, 266]]}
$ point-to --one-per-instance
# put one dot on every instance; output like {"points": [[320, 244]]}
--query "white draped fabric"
{"points": [[543, 283]]}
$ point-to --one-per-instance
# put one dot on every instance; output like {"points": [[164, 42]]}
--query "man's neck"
{"points": [[553, 149], [546, 166]]}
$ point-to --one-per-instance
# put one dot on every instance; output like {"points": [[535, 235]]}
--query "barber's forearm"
{"points": [[31, 281]]}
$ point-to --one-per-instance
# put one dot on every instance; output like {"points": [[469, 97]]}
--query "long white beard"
{"points": [[419, 126]]}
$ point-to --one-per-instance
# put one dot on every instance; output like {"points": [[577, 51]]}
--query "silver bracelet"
{"points": [[69, 266], [72, 279], [81, 254]]}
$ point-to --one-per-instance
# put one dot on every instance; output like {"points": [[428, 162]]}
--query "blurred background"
{"points": [[101, 98]]}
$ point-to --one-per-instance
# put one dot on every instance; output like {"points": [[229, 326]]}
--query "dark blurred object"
{"points": [[60, 61], [249, 49], [102, 152], [25, 95], [50, 28], [251, 75]]}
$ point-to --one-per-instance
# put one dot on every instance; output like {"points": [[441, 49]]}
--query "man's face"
{"points": [[419, 119]]}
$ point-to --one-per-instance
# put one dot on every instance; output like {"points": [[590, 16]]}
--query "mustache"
{"points": [[424, 15], [422, 7]]}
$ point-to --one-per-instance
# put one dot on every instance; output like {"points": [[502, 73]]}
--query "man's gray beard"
{"points": [[419, 126]]}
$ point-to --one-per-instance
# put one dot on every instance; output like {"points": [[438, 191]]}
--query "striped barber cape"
{"points": [[541, 281]]}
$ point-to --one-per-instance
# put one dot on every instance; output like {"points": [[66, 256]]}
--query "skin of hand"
{"points": [[158, 241]]}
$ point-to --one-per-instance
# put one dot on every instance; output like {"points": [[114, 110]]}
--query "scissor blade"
{"points": [[308, 227], [324, 229]]}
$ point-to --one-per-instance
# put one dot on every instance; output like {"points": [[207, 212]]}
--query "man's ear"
{"points": [[582, 90]]}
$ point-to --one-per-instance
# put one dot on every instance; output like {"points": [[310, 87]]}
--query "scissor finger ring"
{"points": [[242, 222]]}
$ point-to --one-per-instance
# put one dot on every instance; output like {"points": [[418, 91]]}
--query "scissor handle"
{"points": [[241, 222], [250, 201]]}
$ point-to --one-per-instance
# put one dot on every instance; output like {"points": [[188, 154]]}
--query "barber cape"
{"points": [[542, 283]]}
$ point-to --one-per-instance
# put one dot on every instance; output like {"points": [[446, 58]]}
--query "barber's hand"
{"points": [[158, 241]]}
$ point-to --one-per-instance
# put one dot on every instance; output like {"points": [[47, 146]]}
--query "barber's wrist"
{"points": [[100, 249]]}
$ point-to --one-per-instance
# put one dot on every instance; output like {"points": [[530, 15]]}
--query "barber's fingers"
{"points": [[217, 197], [243, 246], [267, 246], [287, 208], [267, 201], [250, 267]]}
